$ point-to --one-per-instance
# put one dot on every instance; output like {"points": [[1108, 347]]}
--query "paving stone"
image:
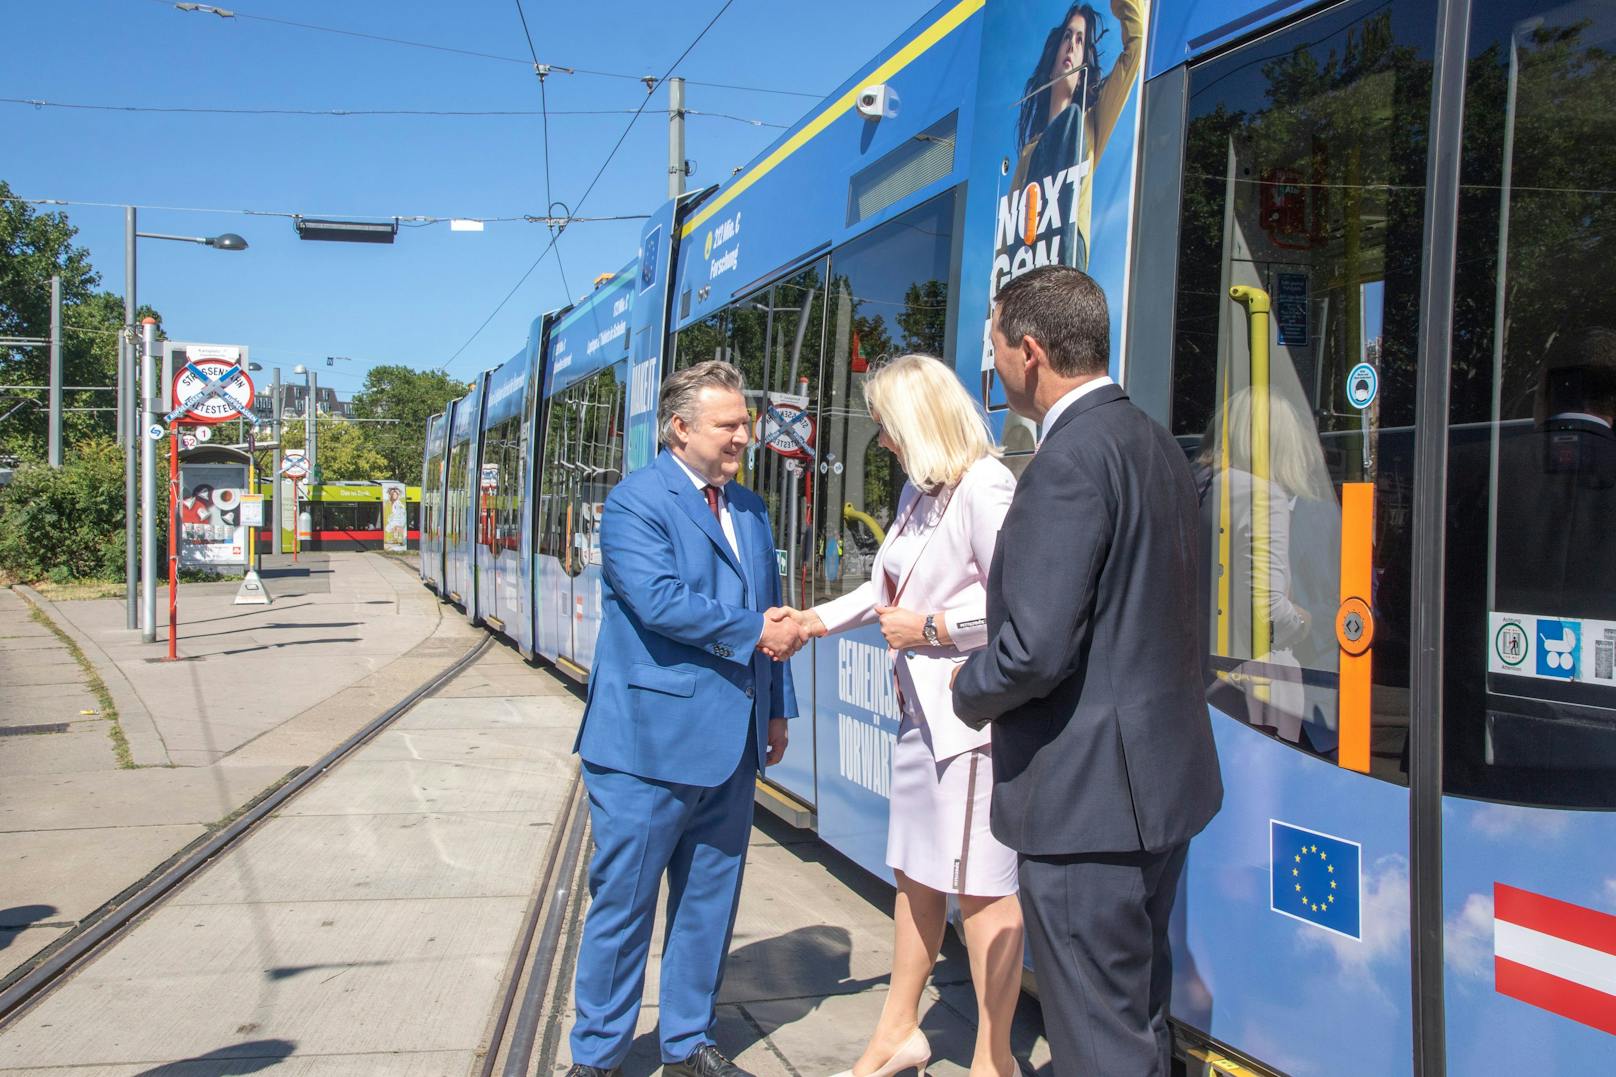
{"points": [[78, 871]]}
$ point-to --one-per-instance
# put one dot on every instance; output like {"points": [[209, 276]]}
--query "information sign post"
{"points": [[295, 466]]}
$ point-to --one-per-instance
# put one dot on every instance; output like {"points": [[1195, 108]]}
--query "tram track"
{"points": [[96, 936]]}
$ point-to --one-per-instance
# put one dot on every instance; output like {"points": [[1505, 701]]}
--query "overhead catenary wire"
{"points": [[588, 190], [409, 219], [543, 74], [237, 13], [348, 113]]}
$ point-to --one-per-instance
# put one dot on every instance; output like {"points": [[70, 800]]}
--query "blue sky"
{"points": [[418, 300]]}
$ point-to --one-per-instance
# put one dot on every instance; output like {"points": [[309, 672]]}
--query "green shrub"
{"points": [[67, 523]]}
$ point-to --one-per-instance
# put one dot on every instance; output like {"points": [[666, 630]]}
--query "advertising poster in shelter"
{"points": [[1052, 172], [395, 517], [211, 530]]}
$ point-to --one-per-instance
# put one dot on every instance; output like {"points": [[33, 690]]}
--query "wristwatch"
{"points": [[930, 629]]}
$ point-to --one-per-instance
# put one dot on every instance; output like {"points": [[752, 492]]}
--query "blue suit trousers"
{"points": [[698, 835]]}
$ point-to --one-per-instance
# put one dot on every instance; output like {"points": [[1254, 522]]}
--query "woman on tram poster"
{"points": [[1058, 107]]}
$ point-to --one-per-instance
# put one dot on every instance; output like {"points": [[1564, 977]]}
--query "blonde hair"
{"points": [[939, 430], [1295, 458]]}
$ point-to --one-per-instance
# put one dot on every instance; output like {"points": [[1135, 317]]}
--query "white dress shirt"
{"points": [[724, 518], [1069, 399]]}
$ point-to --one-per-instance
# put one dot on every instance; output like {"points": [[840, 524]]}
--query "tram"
{"points": [[1357, 259]]}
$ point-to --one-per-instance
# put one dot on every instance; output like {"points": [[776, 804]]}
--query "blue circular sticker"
{"points": [[1363, 385]]}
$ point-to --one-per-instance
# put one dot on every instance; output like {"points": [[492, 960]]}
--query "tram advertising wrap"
{"points": [[1052, 165]]}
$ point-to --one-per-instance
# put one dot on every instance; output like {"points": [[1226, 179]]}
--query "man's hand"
{"points": [[778, 738], [782, 635], [902, 627], [807, 619]]}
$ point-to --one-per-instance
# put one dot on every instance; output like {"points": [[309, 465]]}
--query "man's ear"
{"points": [[1035, 353]]}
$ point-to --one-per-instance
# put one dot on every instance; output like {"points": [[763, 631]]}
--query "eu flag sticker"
{"points": [[1315, 877]]}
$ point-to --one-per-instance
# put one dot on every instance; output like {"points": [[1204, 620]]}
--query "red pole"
{"points": [[173, 538], [297, 522]]}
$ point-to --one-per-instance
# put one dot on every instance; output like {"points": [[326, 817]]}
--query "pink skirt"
{"points": [[938, 834]]}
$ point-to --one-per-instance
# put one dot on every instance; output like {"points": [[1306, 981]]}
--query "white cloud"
{"points": [[1468, 946], [1610, 892], [1507, 821], [1383, 917]]}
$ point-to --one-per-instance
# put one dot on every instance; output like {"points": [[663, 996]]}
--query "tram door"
{"points": [[1529, 722], [583, 460], [1293, 350]]}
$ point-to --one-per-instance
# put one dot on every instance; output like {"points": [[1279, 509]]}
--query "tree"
{"points": [[34, 247], [410, 397], [345, 451]]}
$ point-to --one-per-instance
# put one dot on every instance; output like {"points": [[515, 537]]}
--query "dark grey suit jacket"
{"points": [[1093, 673]]}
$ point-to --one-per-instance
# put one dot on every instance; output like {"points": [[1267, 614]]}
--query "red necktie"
{"points": [[712, 501]]}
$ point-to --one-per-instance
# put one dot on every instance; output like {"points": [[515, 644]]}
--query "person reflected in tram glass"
{"points": [[927, 590], [1559, 481], [1069, 109], [1279, 629]]}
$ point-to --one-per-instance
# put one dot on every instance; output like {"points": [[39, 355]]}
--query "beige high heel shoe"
{"points": [[913, 1053]]}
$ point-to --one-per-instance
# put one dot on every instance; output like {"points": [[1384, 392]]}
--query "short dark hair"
{"points": [[1064, 310]]}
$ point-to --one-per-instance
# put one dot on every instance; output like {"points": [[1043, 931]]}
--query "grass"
{"points": [[80, 590], [98, 688]]}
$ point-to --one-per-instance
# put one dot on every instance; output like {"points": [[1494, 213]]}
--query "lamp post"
{"points": [[150, 407]]}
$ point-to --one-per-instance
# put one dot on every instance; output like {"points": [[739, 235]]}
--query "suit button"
{"points": [[908, 654], [750, 692]]}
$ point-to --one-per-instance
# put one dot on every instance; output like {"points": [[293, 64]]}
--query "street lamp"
{"points": [[144, 616]]}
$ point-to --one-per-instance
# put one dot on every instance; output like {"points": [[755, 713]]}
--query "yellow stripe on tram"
{"points": [[834, 111]]}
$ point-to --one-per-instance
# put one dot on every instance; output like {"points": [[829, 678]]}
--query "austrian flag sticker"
{"points": [[1555, 955]]}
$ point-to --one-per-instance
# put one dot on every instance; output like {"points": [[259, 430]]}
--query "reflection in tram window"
{"points": [[1299, 264], [1529, 692], [889, 296], [583, 460]]}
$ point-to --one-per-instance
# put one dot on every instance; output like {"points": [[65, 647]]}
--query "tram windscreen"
{"points": [[1530, 688]]}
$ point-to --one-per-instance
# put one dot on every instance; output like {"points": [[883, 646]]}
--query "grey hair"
{"points": [[682, 391]]}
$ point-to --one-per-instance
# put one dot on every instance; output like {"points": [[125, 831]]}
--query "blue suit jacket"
{"points": [[678, 685]]}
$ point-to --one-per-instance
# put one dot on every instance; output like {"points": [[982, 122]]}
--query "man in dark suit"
{"points": [[1103, 759], [686, 706]]}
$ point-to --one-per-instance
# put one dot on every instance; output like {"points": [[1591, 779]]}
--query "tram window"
{"points": [[775, 336], [583, 460], [1304, 179], [889, 295], [1529, 692]]}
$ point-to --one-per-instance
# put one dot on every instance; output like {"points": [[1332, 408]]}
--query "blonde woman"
{"points": [[927, 589]]}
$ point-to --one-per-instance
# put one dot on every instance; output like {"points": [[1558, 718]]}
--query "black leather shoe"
{"points": [[580, 1070], [704, 1061]]}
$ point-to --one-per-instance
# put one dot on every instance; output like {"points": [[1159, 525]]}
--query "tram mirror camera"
{"points": [[878, 101]]}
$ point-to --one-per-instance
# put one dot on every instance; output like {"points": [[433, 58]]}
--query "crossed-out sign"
{"points": [[787, 429], [212, 391], [295, 466]]}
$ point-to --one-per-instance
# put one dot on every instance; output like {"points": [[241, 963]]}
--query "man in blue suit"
{"points": [[688, 700]]}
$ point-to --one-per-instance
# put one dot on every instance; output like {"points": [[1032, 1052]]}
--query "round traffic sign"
{"points": [[1363, 385], [786, 429], [155, 431], [203, 433], [212, 391], [294, 465]]}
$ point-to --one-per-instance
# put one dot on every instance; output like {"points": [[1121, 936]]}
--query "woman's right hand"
{"points": [[808, 620]]}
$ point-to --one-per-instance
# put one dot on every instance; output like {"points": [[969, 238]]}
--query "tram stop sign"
{"points": [[212, 391]]}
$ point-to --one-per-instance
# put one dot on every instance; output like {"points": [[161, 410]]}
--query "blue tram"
{"points": [[1356, 254]]}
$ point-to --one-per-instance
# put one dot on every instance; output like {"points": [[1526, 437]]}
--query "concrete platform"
{"points": [[77, 826], [367, 928]]}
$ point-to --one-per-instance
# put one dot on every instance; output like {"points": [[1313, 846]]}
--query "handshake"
{"points": [[786, 630]]}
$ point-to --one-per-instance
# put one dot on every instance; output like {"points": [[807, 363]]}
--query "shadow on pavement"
{"points": [[254, 1056], [19, 917]]}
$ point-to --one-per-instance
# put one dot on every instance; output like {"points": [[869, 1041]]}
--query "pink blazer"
{"points": [[949, 577]]}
